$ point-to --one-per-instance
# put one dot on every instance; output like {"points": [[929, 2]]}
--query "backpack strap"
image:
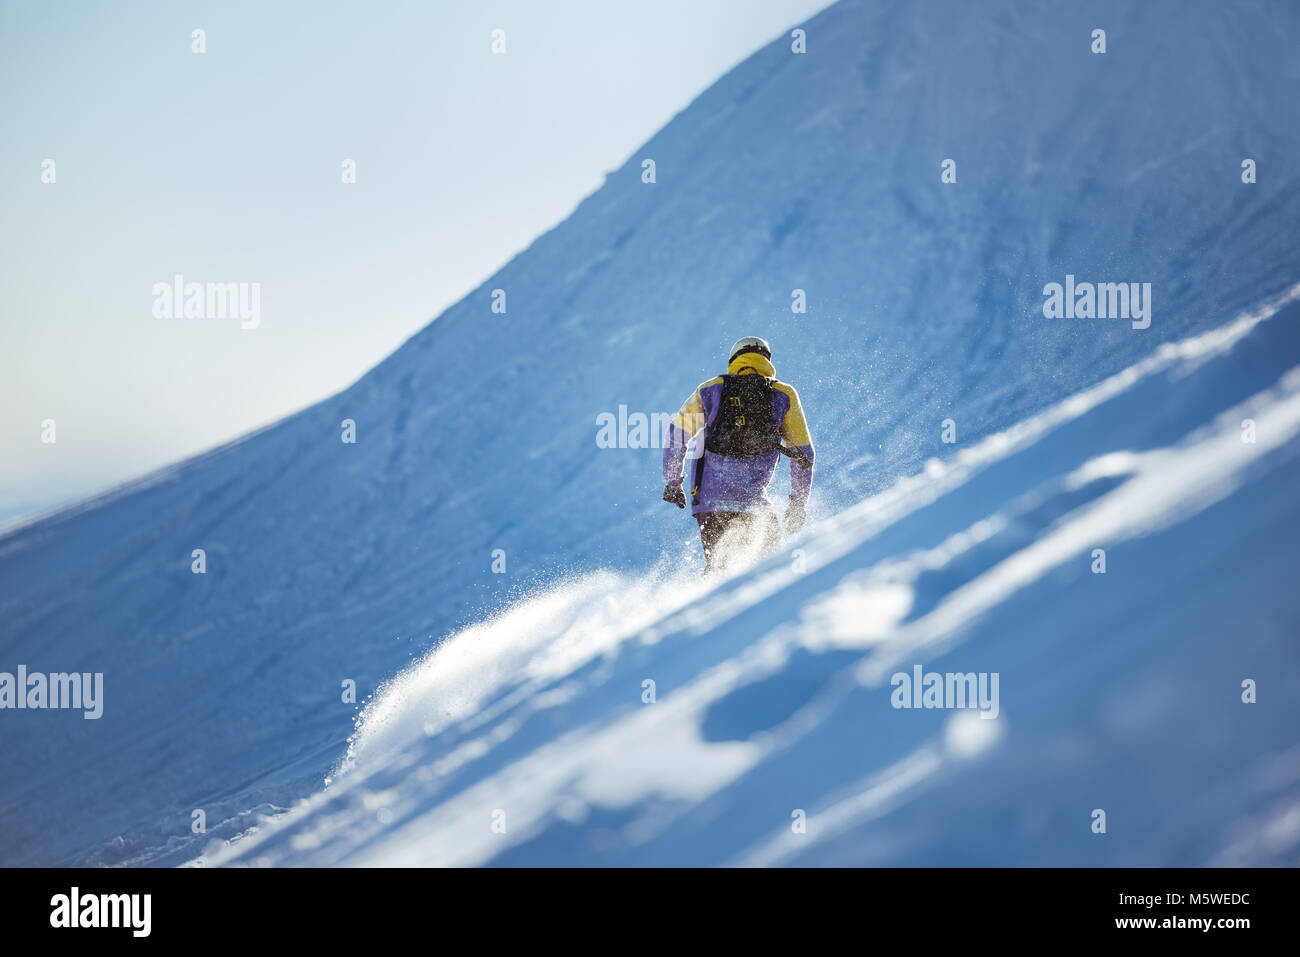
{"points": [[795, 453], [697, 478]]}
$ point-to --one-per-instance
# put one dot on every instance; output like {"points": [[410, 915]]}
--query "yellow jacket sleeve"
{"points": [[794, 428]]}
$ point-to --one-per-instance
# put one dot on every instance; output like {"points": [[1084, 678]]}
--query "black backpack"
{"points": [[743, 426]]}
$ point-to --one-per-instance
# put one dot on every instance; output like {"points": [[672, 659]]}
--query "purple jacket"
{"points": [[733, 484]]}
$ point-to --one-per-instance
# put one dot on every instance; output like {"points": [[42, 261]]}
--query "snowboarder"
{"points": [[744, 414]]}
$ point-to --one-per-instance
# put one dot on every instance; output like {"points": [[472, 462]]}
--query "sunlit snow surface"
{"points": [[523, 693], [1118, 691]]}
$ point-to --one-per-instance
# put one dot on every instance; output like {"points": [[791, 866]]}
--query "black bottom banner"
{"points": [[659, 907]]}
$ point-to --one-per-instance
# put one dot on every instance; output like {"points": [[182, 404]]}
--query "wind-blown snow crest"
{"points": [[523, 648]]}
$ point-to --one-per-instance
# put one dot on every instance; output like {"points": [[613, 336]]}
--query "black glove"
{"points": [[675, 494], [794, 518]]}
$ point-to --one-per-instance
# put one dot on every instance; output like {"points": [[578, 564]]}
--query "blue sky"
{"points": [[226, 167]]}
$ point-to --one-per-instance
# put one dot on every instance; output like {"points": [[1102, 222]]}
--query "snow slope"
{"points": [[1121, 691], [1118, 691]]}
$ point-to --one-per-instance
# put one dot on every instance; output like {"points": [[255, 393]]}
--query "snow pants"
{"points": [[759, 531]]}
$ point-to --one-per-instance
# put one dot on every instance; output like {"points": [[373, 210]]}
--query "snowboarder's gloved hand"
{"points": [[794, 518], [675, 494]]}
